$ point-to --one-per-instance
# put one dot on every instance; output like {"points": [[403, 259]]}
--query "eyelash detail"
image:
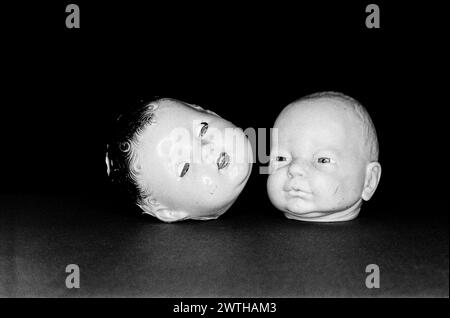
{"points": [[184, 170], [203, 129], [324, 160]]}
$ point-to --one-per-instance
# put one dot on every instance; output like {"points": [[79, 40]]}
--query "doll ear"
{"points": [[136, 164], [109, 164], [137, 167], [373, 175]]}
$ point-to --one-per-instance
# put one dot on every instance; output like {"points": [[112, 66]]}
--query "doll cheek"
{"points": [[165, 147], [276, 183], [336, 194], [275, 190], [281, 177], [209, 184], [233, 173], [334, 191]]}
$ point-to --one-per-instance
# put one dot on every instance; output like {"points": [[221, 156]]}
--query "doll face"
{"points": [[191, 161], [317, 162]]}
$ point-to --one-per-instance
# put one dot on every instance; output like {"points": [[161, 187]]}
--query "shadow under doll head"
{"points": [[178, 161]]}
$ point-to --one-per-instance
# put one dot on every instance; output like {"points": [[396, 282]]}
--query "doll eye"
{"points": [[184, 169], [280, 158], [203, 129], [324, 160]]}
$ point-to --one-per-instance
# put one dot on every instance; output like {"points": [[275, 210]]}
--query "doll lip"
{"points": [[298, 193], [295, 189]]}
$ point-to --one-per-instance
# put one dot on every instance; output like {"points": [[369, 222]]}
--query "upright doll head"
{"points": [[179, 161], [324, 159]]}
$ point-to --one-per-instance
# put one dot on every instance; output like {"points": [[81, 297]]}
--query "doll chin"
{"points": [[175, 216], [339, 216], [170, 215], [214, 213]]}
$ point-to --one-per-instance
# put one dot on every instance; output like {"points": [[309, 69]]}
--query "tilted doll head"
{"points": [[324, 158], [180, 161]]}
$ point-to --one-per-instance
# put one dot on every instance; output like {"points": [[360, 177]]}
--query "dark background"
{"points": [[63, 88]]}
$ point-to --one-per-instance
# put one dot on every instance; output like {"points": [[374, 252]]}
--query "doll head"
{"points": [[179, 161], [324, 159]]}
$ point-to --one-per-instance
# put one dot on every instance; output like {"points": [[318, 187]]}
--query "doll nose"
{"points": [[296, 169], [208, 153]]}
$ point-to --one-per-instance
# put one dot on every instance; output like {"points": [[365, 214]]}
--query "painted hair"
{"points": [[120, 150]]}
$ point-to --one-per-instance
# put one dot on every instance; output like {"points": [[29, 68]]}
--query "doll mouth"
{"points": [[298, 193], [294, 189], [223, 160]]}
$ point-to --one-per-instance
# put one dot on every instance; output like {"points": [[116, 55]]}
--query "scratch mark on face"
{"points": [[337, 188]]}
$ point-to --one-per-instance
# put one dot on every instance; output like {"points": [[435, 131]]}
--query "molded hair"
{"points": [[120, 152], [369, 131]]}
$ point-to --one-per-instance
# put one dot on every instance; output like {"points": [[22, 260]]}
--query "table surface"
{"points": [[242, 254]]}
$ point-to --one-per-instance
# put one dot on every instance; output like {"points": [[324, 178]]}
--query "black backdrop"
{"points": [[64, 86]]}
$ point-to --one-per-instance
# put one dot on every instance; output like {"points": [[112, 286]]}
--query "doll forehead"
{"points": [[318, 116], [324, 123], [319, 110]]}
